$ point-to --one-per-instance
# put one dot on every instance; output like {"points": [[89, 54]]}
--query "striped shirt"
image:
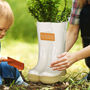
{"points": [[74, 19]]}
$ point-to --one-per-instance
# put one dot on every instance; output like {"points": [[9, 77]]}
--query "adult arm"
{"points": [[72, 35], [67, 59]]}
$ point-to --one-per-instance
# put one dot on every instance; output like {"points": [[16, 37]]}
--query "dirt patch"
{"points": [[41, 86], [37, 86], [57, 86]]}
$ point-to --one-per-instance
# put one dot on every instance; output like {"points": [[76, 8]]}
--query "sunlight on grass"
{"points": [[27, 53]]}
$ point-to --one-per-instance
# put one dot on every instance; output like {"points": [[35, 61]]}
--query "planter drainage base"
{"points": [[45, 79], [33, 78], [51, 80]]}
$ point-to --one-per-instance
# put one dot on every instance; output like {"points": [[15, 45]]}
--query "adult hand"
{"points": [[64, 61]]}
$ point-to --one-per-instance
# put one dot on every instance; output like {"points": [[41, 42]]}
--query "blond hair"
{"points": [[6, 13]]}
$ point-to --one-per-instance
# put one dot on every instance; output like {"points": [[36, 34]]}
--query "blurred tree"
{"points": [[24, 27]]}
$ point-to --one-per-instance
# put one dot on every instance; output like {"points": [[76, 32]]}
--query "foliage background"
{"points": [[24, 27], [21, 40]]}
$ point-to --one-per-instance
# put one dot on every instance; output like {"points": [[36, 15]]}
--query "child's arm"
{"points": [[1, 57]]}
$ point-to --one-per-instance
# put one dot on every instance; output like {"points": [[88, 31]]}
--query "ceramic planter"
{"points": [[51, 37]]}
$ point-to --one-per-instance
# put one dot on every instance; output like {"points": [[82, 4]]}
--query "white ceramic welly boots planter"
{"points": [[34, 74], [56, 47], [51, 38]]}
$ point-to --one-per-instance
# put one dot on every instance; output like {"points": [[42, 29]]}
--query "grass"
{"points": [[21, 44], [28, 53], [23, 36]]}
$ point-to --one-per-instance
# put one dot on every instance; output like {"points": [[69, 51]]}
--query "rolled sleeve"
{"points": [[74, 19]]}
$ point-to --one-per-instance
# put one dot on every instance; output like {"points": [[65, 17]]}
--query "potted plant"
{"points": [[52, 16]]}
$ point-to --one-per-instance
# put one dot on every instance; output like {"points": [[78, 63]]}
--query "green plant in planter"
{"points": [[49, 10]]}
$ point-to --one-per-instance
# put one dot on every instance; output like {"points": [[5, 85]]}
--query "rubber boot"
{"points": [[34, 74], [51, 37], [56, 47]]}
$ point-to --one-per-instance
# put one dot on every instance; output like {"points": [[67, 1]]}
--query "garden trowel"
{"points": [[15, 63]]}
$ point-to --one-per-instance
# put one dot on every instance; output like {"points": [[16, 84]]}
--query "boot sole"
{"points": [[34, 78], [51, 80]]}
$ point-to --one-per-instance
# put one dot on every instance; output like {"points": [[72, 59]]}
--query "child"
{"points": [[7, 73]]}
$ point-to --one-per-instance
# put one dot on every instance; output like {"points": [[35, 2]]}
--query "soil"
{"points": [[37, 86]]}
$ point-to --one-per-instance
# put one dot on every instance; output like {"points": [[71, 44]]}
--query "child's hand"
{"points": [[64, 61], [2, 57]]}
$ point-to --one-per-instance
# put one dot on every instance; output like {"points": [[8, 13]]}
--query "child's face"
{"points": [[3, 28]]}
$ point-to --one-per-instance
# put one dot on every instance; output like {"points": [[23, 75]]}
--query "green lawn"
{"points": [[28, 53], [21, 43]]}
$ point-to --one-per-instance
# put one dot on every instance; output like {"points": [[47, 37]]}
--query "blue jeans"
{"points": [[8, 72]]}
